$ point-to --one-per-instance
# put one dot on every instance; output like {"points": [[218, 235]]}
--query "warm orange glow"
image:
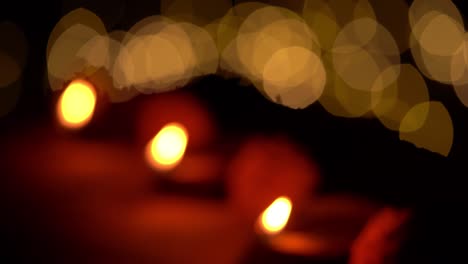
{"points": [[276, 216], [76, 104], [167, 148]]}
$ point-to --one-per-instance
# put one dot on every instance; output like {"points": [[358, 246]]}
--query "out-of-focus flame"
{"points": [[167, 148], [76, 105], [276, 216]]}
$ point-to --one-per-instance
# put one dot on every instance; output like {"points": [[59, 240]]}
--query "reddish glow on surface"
{"points": [[76, 105], [167, 148], [276, 216]]}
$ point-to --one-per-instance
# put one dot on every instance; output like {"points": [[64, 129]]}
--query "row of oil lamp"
{"points": [[75, 109]]}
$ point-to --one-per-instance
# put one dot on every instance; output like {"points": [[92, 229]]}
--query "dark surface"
{"points": [[260, 253]]}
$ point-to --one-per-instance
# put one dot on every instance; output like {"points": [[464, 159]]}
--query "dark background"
{"points": [[349, 151]]}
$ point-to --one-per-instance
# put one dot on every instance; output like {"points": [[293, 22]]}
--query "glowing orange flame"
{"points": [[276, 216], [167, 148], [76, 105]]}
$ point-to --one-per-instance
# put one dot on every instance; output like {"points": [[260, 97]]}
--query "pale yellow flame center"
{"points": [[276, 216], [76, 104], [167, 148]]}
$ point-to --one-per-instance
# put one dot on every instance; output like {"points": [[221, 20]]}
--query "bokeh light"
{"points": [[294, 77], [437, 35], [428, 125], [63, 61], [394, 101], [360, 58], [344, 54]]}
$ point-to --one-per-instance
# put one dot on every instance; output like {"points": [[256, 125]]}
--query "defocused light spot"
{"points": [[434, 67], [441, 36], [131, 66], [154, 62], [276, 216], [278, 35], [294, 77], [167, 148], [179, 38], [123, 69], [96, 52], [349, 10], [459, 73], [340, 99], [63, 61], [204, 49], [255, 34], [364, 9], [79, 16], [431, 48], [366, 33], [321, 19], [419, 8], [459, 65], [360, 58], [435, 132], [231, 22], [357, 33], [76, 104], [103, 79], [227, 33], [357, 68], [148, 26], [162, 76], [395, 100]]}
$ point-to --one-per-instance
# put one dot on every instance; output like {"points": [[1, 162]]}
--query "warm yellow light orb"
{"points": [[76, 104], [276, 216], [167, 148]]}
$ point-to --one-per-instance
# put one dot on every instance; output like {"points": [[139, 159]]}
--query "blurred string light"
{"points": [[428, 125], [394, 101], [13, 53], [345, 54], [437, 34]]}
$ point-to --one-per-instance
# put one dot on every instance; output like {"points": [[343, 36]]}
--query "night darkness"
{"points": [[355, 155]]}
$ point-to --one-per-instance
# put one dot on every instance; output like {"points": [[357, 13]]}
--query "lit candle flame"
{"points": [[276, 216], [167, 148], [76, 104]]}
